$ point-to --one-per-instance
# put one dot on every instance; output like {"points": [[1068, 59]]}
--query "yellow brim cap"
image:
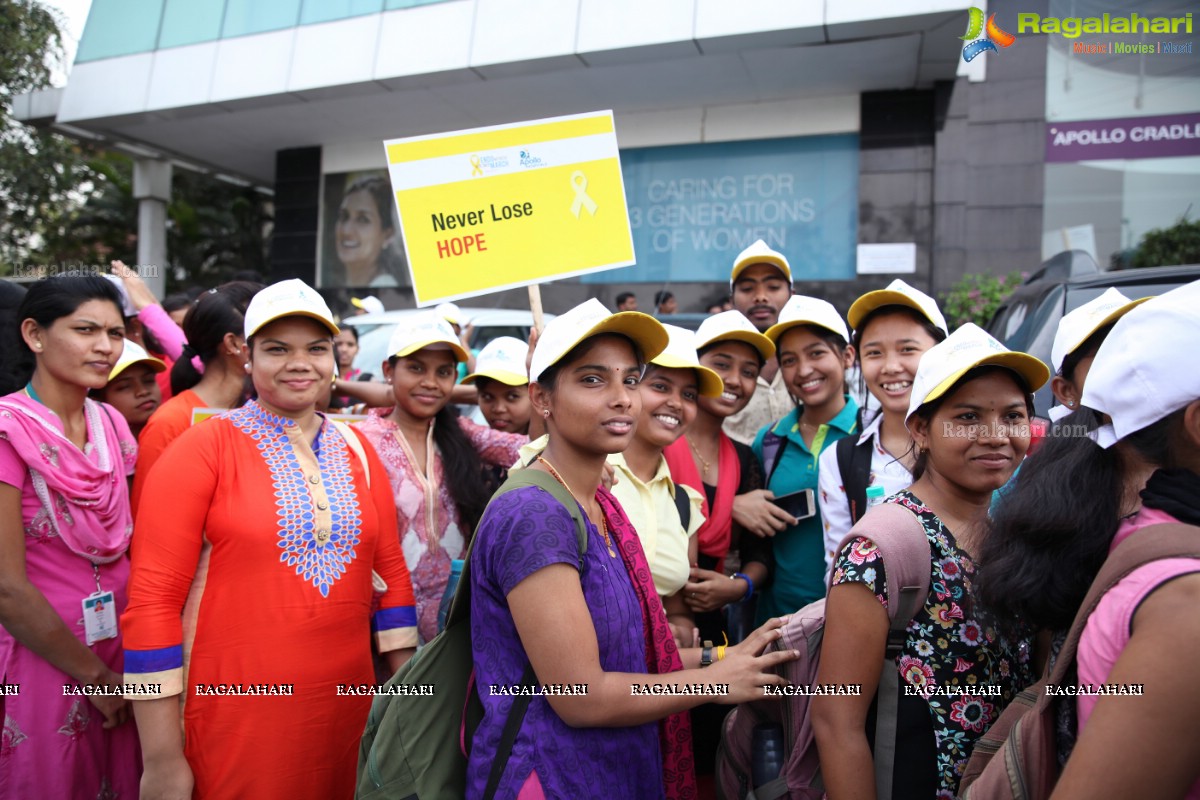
{"points": [[504, 376], [710, 382], [434, 344], [155, 364], [1032, 370], [889, 297]]}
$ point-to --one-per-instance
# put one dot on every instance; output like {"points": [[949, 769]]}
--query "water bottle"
{"points": [[875, 495], [456, 568], [766, 755]]}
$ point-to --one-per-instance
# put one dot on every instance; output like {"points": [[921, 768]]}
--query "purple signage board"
{"points": [[1165, 136]]}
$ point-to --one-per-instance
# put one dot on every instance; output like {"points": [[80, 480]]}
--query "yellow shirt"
{"points": [[651, 509]]}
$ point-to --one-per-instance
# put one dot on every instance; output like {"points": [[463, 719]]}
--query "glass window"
{"points": [[119, 28], [329, 10], [259, 16], [189, 22], [390, 4]]}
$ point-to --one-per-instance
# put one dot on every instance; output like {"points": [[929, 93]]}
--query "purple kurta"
{"points": [[522, 532]]}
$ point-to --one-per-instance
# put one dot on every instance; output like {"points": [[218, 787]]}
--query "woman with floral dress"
{"points": [[969, 417], [432, 458]]}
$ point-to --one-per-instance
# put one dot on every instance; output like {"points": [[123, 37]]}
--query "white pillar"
{"points": [[152, 190]]}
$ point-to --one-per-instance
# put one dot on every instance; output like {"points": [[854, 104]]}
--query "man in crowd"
{"points": [[761, 282], [627, 301]]}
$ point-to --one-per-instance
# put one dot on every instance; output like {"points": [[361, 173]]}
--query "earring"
{"points": [[246, 366], [1071, 404], [546, 413]]}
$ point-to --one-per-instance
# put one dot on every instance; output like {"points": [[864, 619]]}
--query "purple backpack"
{"points": [[905, 552]]}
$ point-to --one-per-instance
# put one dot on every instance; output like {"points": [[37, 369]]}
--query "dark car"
{"points": [[1028, 319]]}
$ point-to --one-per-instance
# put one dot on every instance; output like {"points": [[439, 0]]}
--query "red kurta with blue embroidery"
{"points": [[252, 567]]}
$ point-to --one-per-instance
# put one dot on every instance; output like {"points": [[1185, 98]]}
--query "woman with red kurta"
{"points": [[252, 594]]}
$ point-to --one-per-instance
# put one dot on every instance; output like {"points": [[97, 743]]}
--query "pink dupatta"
{"points": [[662, 656], [87, 503]]}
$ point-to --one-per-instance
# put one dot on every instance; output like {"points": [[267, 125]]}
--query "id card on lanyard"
{"points": [[99, 613]]}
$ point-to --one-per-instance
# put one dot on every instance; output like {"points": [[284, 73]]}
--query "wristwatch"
{"points": [[706, 653]]}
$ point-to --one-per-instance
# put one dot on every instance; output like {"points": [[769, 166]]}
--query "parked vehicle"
{"points": [[487, 323], [1028, 319]]}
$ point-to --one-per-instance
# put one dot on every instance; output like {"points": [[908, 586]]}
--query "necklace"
{"points": [[703, 461], [603, 523]]}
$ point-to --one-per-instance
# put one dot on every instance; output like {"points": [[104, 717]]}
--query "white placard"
{"points": [[887, 259]]}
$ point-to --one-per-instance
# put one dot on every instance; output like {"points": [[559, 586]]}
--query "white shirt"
{"points": [[886, 471], [770, 402]]}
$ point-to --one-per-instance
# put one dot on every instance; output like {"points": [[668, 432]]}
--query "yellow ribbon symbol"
{"points": [[579, 184], [476, 167]]}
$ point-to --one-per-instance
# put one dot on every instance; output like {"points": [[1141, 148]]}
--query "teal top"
{"points": [[799, 577]]}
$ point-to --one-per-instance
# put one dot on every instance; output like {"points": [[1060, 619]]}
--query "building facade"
{"points": [[819, 127]]}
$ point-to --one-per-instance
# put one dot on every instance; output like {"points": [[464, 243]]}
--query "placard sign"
{"points": [[511, 205]]}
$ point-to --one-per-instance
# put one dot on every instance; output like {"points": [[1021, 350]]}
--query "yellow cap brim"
{"points": [[878, 299], [710, 382], [764, 346], [774, 261], [647, 332], [776, 331], [1112, 317], [1031, 369], [155, 364], [328, 323], [459, 353], [354, 301], [505, 377]]}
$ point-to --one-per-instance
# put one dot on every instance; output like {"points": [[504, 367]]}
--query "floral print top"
{"points": [[954, 654]]}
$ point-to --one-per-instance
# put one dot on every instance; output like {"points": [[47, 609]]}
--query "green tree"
{"points": [[39, 170], [1164, 247]]}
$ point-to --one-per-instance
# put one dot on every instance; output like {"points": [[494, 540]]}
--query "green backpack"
{"points": [[415, 744]]}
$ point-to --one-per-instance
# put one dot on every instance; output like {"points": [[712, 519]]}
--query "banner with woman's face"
{"points": [[361, 244]]}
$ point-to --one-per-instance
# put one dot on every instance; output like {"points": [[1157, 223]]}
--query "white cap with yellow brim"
{"points": [[1077, 327], [370, 304], [732, 326], [290, 298], [681, 354], [451, 313], [897, 293], [968, 347], [803, 310], [427, 330], [134, 353], [759, 253], [591, 318], [1140, 374], [502, 359]]}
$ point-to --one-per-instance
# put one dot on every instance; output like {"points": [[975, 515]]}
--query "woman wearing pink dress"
{"points": [[64, 532]]}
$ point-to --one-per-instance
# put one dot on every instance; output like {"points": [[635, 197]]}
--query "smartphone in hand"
{"points": [[800, 505]]}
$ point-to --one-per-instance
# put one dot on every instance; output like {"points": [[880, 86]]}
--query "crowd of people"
{"points": [[182, 601]]}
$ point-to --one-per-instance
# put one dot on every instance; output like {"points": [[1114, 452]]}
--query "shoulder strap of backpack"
{"points": [[854, 468], [1152, 543], [904, 548], [772, 453], [461, 603], [517, 480], [683, 504]]}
